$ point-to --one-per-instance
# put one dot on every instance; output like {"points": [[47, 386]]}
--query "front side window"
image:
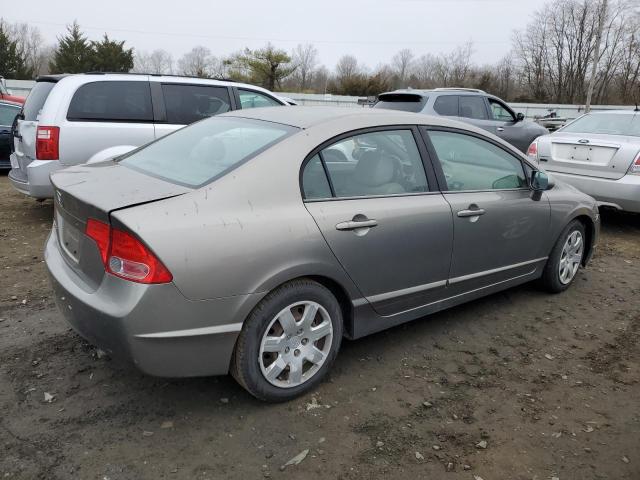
{"points": [[473, 107], [370, 164], [8, 114], [446, 105], [470, 163], [186, 104], [198, 154], [112, 101], [500, 112], [253, 99]]}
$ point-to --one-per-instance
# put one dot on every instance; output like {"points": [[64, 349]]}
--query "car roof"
{"points": [[440, 91], [620, 112]]}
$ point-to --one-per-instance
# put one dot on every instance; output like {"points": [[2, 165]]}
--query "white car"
{"points": [[73, 119], [599, 154]]}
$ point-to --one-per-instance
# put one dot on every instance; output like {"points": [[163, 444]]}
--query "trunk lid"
{"points": [[94, 191], [589, 154]]}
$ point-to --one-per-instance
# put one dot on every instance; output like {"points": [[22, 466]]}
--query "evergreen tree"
{"points": [[111, 56], [74, 53], [12, 63]]}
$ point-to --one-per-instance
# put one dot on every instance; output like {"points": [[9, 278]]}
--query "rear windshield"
{"points": [[606, 123], [198, 154], [35, 100], [398, 101]]}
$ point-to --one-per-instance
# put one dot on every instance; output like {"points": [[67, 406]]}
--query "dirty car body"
{"points": [[391, 246]]}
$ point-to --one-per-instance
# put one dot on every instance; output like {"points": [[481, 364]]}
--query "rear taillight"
{"points": [[533, 150], [47, 143], [125, 256], [634, 169]]}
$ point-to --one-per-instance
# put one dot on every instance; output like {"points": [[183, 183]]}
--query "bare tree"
{"points": [[29, 46], [402, 63], [305, 57], [199, 62], [347, 67]]}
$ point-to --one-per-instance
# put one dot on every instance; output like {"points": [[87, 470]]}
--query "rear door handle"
{"points": [[471, 213], [353, 224]]}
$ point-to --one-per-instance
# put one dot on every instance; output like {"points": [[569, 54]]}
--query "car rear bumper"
{"points": [[623, 193], [154, 326], [35, 182]]}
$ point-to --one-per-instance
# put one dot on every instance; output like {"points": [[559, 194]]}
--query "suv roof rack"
{"points": [[445, 89], [162, 75]]}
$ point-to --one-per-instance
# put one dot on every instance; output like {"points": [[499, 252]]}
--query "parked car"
{"points": [[72, 119], [468, 105], [6, 95], [235, 244], [598, 153], [8, 113]]}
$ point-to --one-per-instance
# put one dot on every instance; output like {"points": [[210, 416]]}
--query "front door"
{"points": [[500, 224], [506, 126], [375, 209]]}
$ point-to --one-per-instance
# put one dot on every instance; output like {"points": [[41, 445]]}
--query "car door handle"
{"points": [[471, 213], [500, 129], [353, 224]]}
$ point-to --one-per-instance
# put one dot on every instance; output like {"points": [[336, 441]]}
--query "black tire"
{"points": [[245, 366], [550, 280]]}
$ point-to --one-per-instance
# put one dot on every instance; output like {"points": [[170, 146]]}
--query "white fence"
{"points": [[530, 110]]}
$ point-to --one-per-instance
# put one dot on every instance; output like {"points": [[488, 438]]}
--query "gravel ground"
{"points": [[518, 385]]}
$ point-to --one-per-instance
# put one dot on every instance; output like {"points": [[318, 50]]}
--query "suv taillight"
{"points": [[125, 256], [533, 150], [47, 143], [634, 169]]}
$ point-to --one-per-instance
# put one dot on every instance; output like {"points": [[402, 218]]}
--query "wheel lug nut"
{"points": [[296, 352], [286, 350], [305, 341]]}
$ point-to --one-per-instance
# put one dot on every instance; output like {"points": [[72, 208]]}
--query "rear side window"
{"points": [[108, 101], [447, 105], [314, 180], [189, 103], [473, 107], [35, 100], [253, 99], [198, 154]]}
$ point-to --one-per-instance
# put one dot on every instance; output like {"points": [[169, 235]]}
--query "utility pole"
{"points": [[596, 56]]}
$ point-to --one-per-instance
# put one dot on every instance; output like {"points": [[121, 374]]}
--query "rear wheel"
{"points": [[565, 259], [289, 341]]}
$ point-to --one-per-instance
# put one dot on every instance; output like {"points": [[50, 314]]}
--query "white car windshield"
{"points": [[198, 154], [606, 123]]}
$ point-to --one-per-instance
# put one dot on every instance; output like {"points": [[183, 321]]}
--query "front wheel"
{"points": [[565, 259], [288, 342]]}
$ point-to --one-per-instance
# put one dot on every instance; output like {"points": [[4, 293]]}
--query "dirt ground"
{"points": [[518, 385]]}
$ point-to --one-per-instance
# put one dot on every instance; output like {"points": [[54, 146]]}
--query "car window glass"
{"points": [[8, 114], [112, 101], [499, 112], [447, 105], [198, 154], [314, 180], [376, 163], [472, 107], [186, 104], [253, 99], [470, 163], [35, 101], [606, 123]]}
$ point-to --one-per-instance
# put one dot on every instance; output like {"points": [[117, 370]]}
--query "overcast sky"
{"points": [[371, 30]]}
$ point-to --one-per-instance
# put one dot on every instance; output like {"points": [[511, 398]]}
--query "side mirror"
{"points": [[540, 181], [519, 117]]}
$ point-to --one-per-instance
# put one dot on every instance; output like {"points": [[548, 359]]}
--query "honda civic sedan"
{"points": [[254, 241]]}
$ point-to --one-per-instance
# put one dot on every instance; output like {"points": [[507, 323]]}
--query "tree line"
{"points": [[550, 60]]}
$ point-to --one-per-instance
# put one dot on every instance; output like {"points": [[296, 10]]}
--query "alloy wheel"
{"points": [[571, 257]]}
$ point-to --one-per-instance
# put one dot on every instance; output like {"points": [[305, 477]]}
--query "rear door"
{"points": [[180, 104], [104, 114], [382, 216], [500, 224], [24, 142]]}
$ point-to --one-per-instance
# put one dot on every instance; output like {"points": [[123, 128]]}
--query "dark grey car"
{"points": [[467, 105], [252, 242]]}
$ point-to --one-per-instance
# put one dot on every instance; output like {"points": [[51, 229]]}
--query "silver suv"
{"points": [[468, 105], [73, 119]]}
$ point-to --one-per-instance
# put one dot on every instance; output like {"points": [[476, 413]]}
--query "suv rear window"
{"points": [[447, 105], [186, 104], [35, 100], [112, 101], [407, 102], [198, 154]]}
